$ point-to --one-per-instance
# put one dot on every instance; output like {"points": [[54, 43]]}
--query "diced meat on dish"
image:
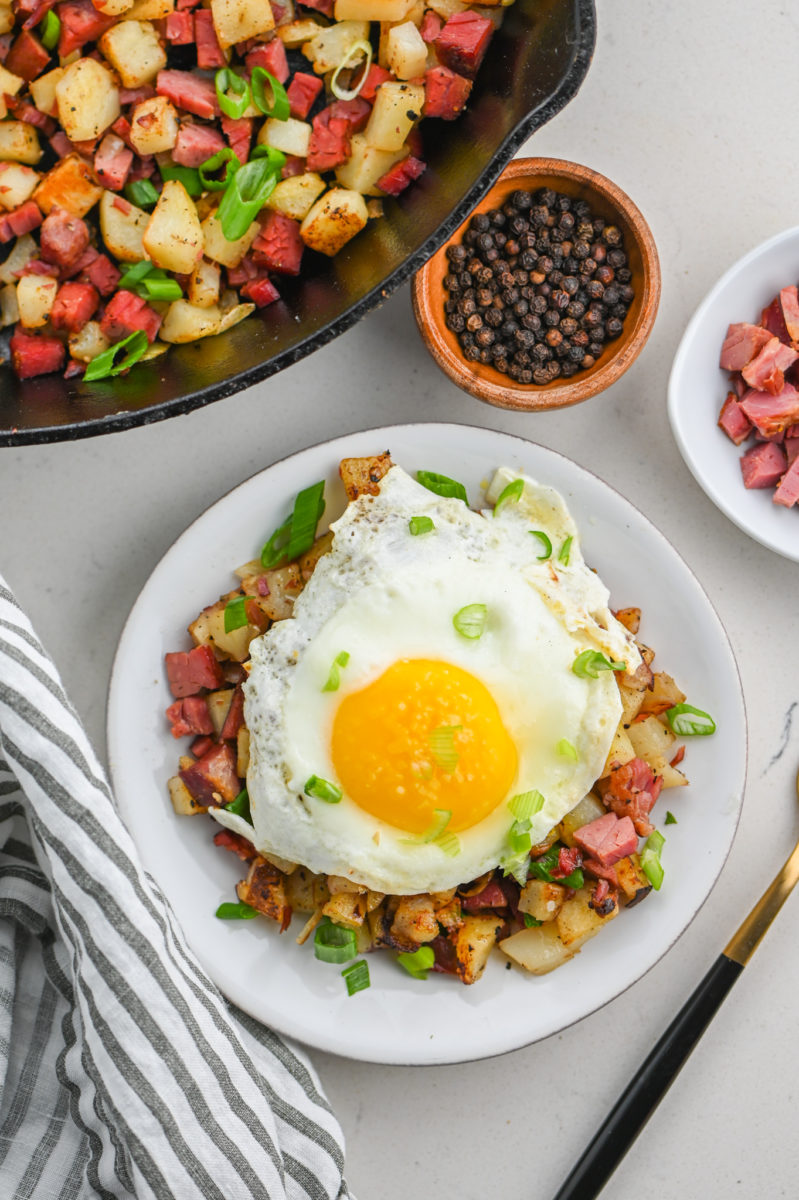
{"points": [[190, 671], [235, 843], [733, 420], [102, 274], [302, 93], [375, 76], [607, 839], [21, 221], [80, 23], [445, 93], [791, 446], [631, 791], [570, 859], [210, 55], [112, 162], [63, 238], [213, 779], [261, 291], [235, 717], [769, 413], [431, 26], [33, 355], [787, 492], [196, 143], [27, 56], [238, 131], [766, 372], [397, 178], [279, 246], [491, 896], [190, 92], [355, 112], [463, 41], [75, 304], [325, 7], [125, 313], [179, 28], [789, 304], [606, 874], [329, 146], [190, 715], [763, 465], [742, 343], [272, 57]]}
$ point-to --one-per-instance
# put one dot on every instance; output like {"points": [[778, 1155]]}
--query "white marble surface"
{"points": [[689, 108]]}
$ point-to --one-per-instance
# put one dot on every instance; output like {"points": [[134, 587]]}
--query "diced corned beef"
{"points": [[190, 715], [355, 112], [5, 46], [112, 162], [79, 266], [279, 246], [63, 238], [775, 437], [244, 272], [238, 131], [75, 304], [742, 343], [397, 178], [733, 420], [787, 492], [631, 791], [36, 10], [445, 93], [569, 860], [201, 745], [37, 266], [492, 896], [143, 168], [772, 319], [74, 368], [323, 6], [446, 962], [21, 221], [196, 143], [235, 716], [189, 672], [330, 141], [190, 92], [292, 166], [376, 75], [765, 373], [763, 465], [31, 116], [234, 841], [604, 898], [272, 57], [32, 354], [80, 23], [213, 779], [463, 42], [86, 148], [260, 290], [771, 414], [102, 274], [210, 55], [27, 56], [187, 4], [595, 867], [431, 26], [302, 93], [789, 303], [608, 838], [135, 95], [791, 447], [125, 313], [61, 144], [179, 28]]}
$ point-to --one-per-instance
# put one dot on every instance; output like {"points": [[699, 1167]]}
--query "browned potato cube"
{"points": [[361, 476], [537, 950], [633, 884], [183, 802], [541, 900], [474, 942], [630, 618], [264, 889], [664, 694], [577, 921], [415, 920]]}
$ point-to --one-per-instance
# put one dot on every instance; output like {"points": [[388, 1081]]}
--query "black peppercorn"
{"points": [[480, 222], [611, 235], [623, 274], [616, 258], [493, 318], [612, 295], [594, 289], [474, 322], [581, 249], [540, 375], [613, 327], [551, 317]]}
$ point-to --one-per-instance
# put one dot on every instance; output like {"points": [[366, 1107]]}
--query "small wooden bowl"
{"points": [[606, 201]]}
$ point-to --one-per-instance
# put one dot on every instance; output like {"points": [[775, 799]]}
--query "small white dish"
{"points": [[697, 387], [400, 1019]]}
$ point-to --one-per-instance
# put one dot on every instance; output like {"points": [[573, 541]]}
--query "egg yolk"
{"points": [[425, 735]]}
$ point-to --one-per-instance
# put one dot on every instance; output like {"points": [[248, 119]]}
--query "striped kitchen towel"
{"points": [[123, 1071]]}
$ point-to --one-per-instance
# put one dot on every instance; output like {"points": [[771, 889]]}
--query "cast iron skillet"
{"points": [[535, 65]]}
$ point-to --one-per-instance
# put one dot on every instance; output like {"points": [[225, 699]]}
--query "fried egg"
{"points": [[423, 682]]}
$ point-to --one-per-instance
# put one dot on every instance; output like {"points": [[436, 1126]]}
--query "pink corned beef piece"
{"points": [[75, 304], [272, 57], [80, 23], [190, 715], [397, 178], [302, 92], [102, 274], [22, 220], [329, 146], [375, 77], [135, 95], [210, 55], [766, 372], [742, 343], [180, 28], [125, 313], [260, 290], [238, 131], [27, 56], [763, 465], [196, 143], [355, 112], [190, 92], [771, 414], [787, 492], [771, 318], [463, 41], [608, 838], [112, 162], [631, 790], [212, 779], [733, 420], [791, 447], [63, 238], [279, 246], [33, 355], [431, 26], [188, 673], [789, 303], [445, 93]]}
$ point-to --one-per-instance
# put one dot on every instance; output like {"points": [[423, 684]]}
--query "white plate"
{"points": [[697, 387], [399, 1019]]}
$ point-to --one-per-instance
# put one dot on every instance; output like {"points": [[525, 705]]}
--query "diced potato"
{"points": [[203, 289], [154, 126], [339, 883], [321, 546], [664, 694], [631, 701], [242, 752], [295, 196], [155, 350], [23, 250], [347, 909], [265, 889], [238, 20], [231, 316], [113, 8], [122, 230], [542, 900], [415, 920], [185, 322], [173, 238], [406, 51], [183, 802], [6, 18], [577, 921], [372, 10], [588, 810], [671, 776], [19, 142], [42, 91], [361, 476], [652, 741], [88, 342], [87, 99], [70, 185], [306, 891], [9, 309], [397, 106], [330, 45], [17, 184], [219, 703], [295, 33], [150, 10], [333, 220], [621, 751], [35, 297], [366, 165], [474, 942], [630, 618], [291, 136], [537, 950], [9, 86], [134, 50], [633, 884], [219, 249]]}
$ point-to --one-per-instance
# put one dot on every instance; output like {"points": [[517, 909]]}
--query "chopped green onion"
{"points": [[279, 106], [520, 839], [670, 819], [323, 789], [334, 943], [418, 963], [275, 549], [236, 912], [470, 621], [246, 194], [448, 844], [565, 551], [141, 193], [188, 176], [530, 922], [359, 47], [308, 508], [567, 750], [588, 664], [104, 365], [517, 866], [510, 494], [235, 105], [655, 841], [575, 880], [442, 485], [545, 543], [685, 720], [50, 31], [162, 289], [357, 976], [236, 613], [419, 525], [240, 807], [526, 804], [442, 747], [130, 278], [543, 867], [224, 157], [441, 820], [149, 282], [334, 678], [652, 867]]}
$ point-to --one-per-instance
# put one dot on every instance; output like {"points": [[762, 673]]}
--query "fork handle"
{"points": [[649, 1084]]}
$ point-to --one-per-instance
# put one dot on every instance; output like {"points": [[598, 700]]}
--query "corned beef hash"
{"points": [[426, 730], [163, 163]]}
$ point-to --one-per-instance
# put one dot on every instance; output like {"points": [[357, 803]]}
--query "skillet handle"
{"points": [[649, 1085]]}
